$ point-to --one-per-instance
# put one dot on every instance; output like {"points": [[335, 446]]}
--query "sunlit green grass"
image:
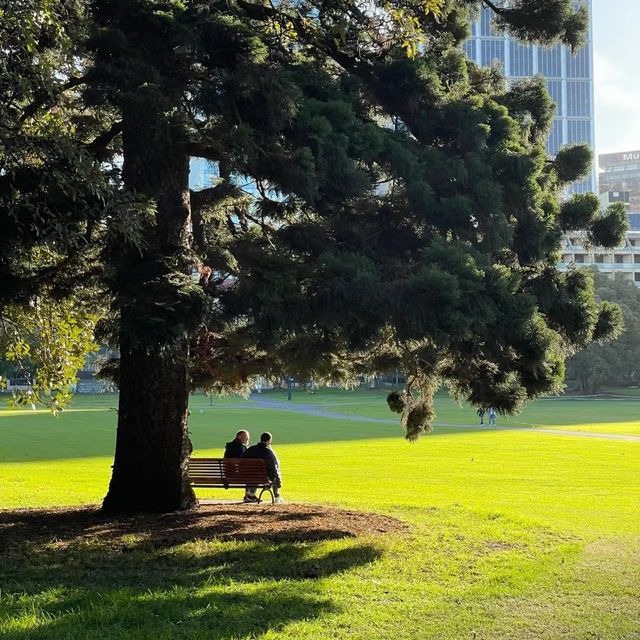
{"points": [[620, 428], [517, 535]]}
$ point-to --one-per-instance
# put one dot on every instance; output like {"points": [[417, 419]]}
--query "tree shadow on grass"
{"points": [[208, 613], [147, 583]]}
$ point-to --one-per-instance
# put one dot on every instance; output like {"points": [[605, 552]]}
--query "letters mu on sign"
{"points": [[616, 159]]}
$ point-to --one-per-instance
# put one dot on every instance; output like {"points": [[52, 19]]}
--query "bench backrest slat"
{"points": [[229, 470]]}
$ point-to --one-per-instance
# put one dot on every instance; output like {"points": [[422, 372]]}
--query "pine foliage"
{"points": [[382, 202]]}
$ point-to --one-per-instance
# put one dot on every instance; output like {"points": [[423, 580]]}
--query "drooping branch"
{"points": [[531, 20]]}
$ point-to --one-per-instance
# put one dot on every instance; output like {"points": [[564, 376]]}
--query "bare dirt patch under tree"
{"points": [[275, 523]]}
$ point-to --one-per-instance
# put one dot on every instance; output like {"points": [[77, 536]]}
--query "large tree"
{"points": [[57, 193], [383, 204]]}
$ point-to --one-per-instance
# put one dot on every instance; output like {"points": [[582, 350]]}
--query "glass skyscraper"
{"points": [[569, 80], [202, 174]]}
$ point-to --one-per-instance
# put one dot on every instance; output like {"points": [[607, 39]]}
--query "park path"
{"points": [[260, 402]]}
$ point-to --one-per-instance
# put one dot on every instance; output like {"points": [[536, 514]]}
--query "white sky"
{"points": [[616, 58]]}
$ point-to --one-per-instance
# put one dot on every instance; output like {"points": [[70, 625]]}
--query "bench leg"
{"points": [[270, 490]]}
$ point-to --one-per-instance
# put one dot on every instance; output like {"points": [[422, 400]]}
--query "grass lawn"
{"points": [[513, 534], [605, 415]]}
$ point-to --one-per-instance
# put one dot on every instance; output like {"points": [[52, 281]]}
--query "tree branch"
{"points": [[209, 197], [42, 97], [98, 147], [206, 151], [201, 200], [261, 12], [494, 8]]}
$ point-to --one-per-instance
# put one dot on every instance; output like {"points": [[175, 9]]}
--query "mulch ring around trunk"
{"points": [[69, 526]]}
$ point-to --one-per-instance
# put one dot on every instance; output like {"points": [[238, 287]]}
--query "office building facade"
{"points": [[624, 260], [618, 181], [620, 173], [569, 81]]}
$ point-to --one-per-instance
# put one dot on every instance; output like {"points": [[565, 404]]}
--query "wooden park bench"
{"points": [[230, 473]]}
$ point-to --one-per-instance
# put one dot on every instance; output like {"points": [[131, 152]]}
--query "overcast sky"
{"points": [[616, 57]]}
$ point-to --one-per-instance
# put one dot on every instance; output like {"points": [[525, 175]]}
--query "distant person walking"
{"points": [[480, 413], [492, 416], [263, 450], [238, 446]]}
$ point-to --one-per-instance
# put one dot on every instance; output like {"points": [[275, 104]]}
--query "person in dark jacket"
{"points": [[236, 449], [263, 450], [238, 446]]}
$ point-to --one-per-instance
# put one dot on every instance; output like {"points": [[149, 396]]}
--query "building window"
{"points": [[492, 50], [554, 141], [579, 131], [599, 259], [469, 48], [550, 62], [578, 64], [521, 59], [580, 258], [578, 98], [618, 259], [485, 23], [554, 87], [636, 277], [582, 187]]}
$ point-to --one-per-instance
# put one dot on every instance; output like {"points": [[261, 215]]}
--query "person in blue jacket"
{"points": [[263, 450]]}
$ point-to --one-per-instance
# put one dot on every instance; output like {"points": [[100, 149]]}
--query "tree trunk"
{"points": [[152, 446]]}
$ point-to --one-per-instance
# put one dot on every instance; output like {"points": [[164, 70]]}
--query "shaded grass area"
{"points": [[83, 434], [512, 535], [616, 411], [197, 589], [37, 436], [457, 572]]}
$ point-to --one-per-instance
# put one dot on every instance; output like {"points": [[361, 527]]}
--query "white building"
{"points": [[625, 260]]}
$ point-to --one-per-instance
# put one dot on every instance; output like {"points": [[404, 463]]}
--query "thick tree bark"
{"points": [[152, 447]]}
